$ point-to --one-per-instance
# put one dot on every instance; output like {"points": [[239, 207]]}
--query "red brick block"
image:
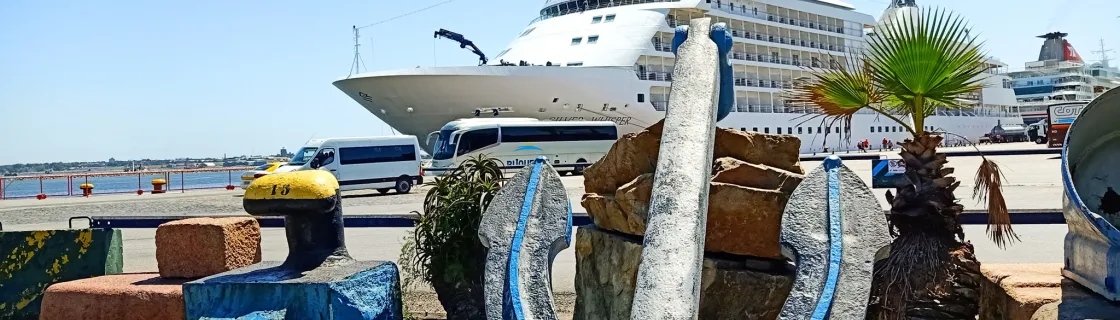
{"points": [[200, 247], [115, 297]]}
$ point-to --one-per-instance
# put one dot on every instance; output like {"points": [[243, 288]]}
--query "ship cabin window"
{"points": [[766, 130], [779, 130], [799, 130], [755, 129], [576, 64], [596, 19], [610, 17], [592, 39], [641, 97], [576, 41], [789, 130], [880, 129], [742, 129], [872, 129]]}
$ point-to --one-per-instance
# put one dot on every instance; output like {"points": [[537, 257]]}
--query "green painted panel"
{"points": [[30, 261]]}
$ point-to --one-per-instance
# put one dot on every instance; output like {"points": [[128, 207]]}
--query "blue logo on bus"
{"points": [[529, 148]]}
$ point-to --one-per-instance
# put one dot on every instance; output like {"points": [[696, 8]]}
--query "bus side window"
{"points": [[477, 139]]}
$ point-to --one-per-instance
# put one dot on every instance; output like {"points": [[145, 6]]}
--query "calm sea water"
{"points": [[119, 184]]}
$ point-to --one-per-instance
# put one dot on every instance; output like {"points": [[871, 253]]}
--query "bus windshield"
{"points": [[302, 156], [444, 148]]}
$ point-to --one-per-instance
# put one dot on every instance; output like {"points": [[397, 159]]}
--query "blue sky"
{"points": [[90, 80]]}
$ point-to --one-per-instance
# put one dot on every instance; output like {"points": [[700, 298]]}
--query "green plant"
{"points": [[444, 249], [913, 65]]}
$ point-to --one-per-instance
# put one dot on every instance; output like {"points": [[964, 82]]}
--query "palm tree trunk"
{"points": [[931, 272]]}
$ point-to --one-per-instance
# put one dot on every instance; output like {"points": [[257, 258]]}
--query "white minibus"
{"points": [[382, 163], [517, 142]]}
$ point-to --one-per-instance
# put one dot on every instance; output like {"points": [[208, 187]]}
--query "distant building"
{"points": [[283, 152]]}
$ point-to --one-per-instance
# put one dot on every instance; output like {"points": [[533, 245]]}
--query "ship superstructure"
{"points": [[1060, 75], [611, 60]]}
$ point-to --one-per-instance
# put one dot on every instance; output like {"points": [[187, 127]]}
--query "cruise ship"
{"points": [[611, 60], [1060, 75]]}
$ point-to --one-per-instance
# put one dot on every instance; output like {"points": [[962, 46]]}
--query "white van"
{"points": [[517, 142], [382, 163]]}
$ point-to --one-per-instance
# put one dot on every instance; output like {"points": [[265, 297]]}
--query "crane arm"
{"points": [[463, 43]]}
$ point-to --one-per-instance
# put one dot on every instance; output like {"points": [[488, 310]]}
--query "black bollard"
{"points": [[311, 206], [317, 280]]}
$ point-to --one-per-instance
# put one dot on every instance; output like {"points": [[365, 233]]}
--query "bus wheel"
{"points": [[579, 168], [403, 185], [383, 190]]}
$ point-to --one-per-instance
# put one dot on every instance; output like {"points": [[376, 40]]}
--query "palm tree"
{"points": [[912, 66]]}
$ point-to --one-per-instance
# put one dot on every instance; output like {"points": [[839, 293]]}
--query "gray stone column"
{"points": [[668, 284]]}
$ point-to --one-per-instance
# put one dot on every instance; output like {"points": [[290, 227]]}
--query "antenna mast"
{"points": [[358, 65], [1104, 54]]}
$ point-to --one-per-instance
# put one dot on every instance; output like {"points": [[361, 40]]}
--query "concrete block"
{"points": [[527, 224], [30, 261], [832, 228], [139, 296], [351, 290], [1038, 291], [199, 247]]}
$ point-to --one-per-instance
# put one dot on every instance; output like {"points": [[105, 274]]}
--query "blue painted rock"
{"points": [[832, 227], [30, 261], [1091, 202], [527, 224], [268, 290], [318, 280]]}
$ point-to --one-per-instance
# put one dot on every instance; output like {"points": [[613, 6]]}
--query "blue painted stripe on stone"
{"points": [[519, 237], [832, 164], [568, 236]]}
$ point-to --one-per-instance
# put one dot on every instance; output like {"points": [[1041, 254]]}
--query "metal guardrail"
{"points": [[968, 217]]}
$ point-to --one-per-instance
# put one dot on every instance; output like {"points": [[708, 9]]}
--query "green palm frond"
{"points": [[840, 91], [925, 60]]}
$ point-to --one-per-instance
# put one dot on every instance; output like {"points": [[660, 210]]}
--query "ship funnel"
{"points": [[1057, 48]]}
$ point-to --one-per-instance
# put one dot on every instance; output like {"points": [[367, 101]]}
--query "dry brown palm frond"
{"points": [[989, 186]]}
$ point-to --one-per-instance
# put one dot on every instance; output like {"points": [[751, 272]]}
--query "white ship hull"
{"points": [[617, 66], [419, 101]]}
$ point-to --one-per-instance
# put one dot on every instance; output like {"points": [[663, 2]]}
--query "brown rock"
{"points": [[745, 221], [629, 157], [733, 171], [605, 212], [199, 247], [115, 297], [633, 198], [732, 227], [636, 153], [607, 270], [775, 150]]}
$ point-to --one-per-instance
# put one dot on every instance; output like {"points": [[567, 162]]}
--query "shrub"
{"points": [[444, 250]]}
